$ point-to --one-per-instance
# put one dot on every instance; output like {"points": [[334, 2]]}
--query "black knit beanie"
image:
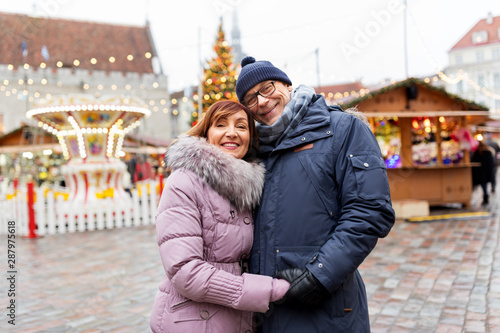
{"points": [[254, 72]]}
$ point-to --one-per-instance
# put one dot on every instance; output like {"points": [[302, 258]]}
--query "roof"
{"points": [[182, 93], [465, 104], [144, 145], [340, 88], [67, 40], [491, 28], [142, 140], [32, 138], [28, 138]]}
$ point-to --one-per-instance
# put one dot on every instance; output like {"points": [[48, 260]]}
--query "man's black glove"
{"points": [[305, 289]]}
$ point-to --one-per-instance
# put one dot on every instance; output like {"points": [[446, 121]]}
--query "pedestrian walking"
{"points": [[326, 202], [142, 169], [483, 173], [131, 164], [496, 150], [205, 228]]}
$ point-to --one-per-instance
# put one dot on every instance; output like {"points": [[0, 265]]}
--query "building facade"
{"points": [[474, 64], [42, 58]]}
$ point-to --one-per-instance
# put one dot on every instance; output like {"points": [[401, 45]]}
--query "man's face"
{"points": [[270, 108]]}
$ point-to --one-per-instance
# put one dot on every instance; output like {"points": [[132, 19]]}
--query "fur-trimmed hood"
{"points": [[235, 179]]}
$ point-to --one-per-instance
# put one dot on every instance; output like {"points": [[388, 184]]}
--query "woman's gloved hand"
{"points": [[304, 289]]}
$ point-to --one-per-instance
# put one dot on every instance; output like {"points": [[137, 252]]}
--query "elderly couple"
{"points": [[265, 233]]}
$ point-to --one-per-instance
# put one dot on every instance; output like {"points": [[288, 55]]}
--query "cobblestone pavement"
{"points": [[441, 276]]}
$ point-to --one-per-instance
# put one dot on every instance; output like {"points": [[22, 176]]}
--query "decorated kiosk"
{"points": [[426, 138], [91, 132]]}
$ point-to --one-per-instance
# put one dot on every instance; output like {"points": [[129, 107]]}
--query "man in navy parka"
{"points": [[326, 202]]}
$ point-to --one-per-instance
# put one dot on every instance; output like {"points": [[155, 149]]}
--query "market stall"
{"points": [[29, 153], [426, 136]]}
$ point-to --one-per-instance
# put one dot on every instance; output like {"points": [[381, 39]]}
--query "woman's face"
{"points": [[231, 134]]}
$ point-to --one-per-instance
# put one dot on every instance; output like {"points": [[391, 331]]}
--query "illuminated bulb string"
{"points": [[62, 142], [119, 144], [461, 75], [151, 103], [111, 137], [115, 129], [22, 93]]}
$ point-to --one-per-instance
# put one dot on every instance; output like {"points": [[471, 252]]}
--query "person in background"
{"points": [[155, 166], [126, 183], [205, 228], [325, 204], [142, 169], [131, 163], [496, 150], [483, 174]]}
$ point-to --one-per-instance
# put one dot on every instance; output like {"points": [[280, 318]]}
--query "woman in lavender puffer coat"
{"points": [[205, 228]]}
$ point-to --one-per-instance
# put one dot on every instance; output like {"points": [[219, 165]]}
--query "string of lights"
{"points": [[25, 87], [461, 75], [22, 91], [77, 62]]}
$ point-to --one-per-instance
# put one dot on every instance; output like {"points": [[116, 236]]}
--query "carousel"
{"points": [[91, 132]]}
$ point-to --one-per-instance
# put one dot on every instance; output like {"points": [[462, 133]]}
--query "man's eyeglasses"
{"points": [[265, 91]]}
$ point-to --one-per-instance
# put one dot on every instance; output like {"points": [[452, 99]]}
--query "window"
{"points": [[459, 59], [496, 53], [460, 87], [480, 56], [479, 37], [480, 80], [496, 80]]}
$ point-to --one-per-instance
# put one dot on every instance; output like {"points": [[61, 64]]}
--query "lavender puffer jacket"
{"points": [[205, 228]]}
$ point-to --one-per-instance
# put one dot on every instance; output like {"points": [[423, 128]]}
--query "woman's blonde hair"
{"points": [[224, 109]]}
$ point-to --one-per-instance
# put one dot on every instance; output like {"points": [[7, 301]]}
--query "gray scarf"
{"points": [[292, 114]]}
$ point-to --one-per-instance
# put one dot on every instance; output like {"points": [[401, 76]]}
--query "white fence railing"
{"points": [[54, 215]]}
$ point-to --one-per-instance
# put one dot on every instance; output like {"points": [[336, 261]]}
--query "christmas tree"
{"points": [[219, 76]]}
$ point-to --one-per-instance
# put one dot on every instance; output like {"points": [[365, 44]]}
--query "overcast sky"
{"points": [[356, 40]]}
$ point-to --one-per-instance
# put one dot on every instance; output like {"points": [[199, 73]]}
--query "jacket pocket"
{"points": [[371, 177], [344, 300], [190, 311], [295, 257], [179, 305], [317, 171]]}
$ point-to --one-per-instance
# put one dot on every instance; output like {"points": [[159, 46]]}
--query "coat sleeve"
{"points": [[180, 238], [366, 212]]}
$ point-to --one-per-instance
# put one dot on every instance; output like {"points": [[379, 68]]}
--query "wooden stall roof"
{"points": [[28, 138], [32, 138], [26, 135], [416, 98], [144, 144]]}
